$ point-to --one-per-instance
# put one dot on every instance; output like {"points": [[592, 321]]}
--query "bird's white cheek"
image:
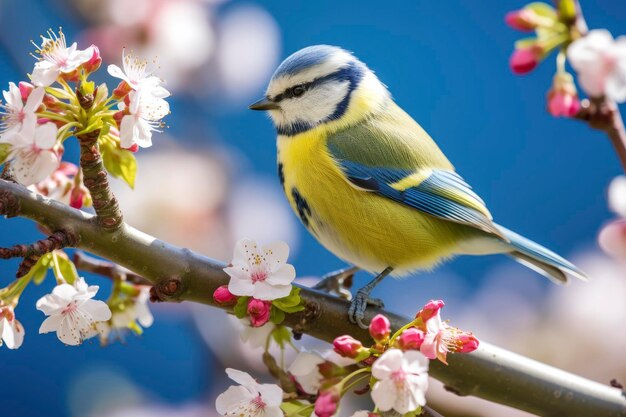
{"points": [[315, 106]]}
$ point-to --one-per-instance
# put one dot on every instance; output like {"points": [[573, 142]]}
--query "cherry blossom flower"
{"points": [[11, 330], [72, 312], [249, 398], [135, 311], [260, 271], [402, 381], [442, 338], [612, 237], [58, 59], [19, 114], [141, 117], [600, 62], [33, 153], [255, 336], [138, 75]]}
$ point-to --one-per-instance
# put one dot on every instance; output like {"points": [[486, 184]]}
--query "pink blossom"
{"points": [[442, 338], [524, 60], [224, 297], [259, 312], [380, 328], [410, 339], [347, 346], [326, 404], [562, 97], [430, 309]]}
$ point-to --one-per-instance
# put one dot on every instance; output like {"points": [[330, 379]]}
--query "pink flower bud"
{"points": [[347, 346], [51, 102], [25, 89], [224, 297], [77, 197], [612, 239], [326, 404], [562, 97], [259, 312], [380, 328], [122, 90], [524, 60], [430, 310], [466, 342], [94, 62], [524, 20], [411, 339]]}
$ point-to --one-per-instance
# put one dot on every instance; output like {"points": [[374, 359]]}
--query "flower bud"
{"points": [[25, 89], [347, 346], [326, 404], [562, 97], [411, 339], [51, 102], [524, 20], [524, 60], [430, 310], [77, 197], [224, 297], [259, 312], [466, 342], [94, 62], [380, 328]]}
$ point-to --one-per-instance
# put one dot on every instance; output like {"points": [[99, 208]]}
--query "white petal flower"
{"points": [[73, 314], [306, 371], [617, 195], [600, 63], [145, 112], [11, 330], [57, 59], [17, 115], [402, 381], [33, 153], [260, 272], [255, 336], [138, 76], [250, 398]]}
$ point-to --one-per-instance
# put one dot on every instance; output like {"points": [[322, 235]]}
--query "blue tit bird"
{"points": [[370, 184]]}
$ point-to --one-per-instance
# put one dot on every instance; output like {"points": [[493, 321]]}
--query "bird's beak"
{"points": [[264, 104]]}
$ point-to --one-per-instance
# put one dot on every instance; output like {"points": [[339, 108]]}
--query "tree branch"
{"points": [[179, 274]]}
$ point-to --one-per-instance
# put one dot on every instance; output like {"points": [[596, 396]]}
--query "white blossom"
{"points": [[402, 381], [305, 368], [249, 398], [11, 330], [17, 115], [600, 62], [138, 75], [617, 195], [144, 114], [260, 272], [73, 314], [57, 59], [33, 153]]}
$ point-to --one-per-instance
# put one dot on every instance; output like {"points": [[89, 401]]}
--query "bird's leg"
{"points": [[338, 282], [359, 304]]}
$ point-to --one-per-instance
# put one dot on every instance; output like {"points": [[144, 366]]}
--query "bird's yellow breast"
{"points": [[360, 227]]}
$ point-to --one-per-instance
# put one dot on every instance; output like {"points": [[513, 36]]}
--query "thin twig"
{"points": [[490, 372], [106, 269]]}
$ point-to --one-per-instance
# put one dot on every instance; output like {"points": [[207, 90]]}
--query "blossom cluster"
{"points": [[613, 236], [394, 370], [260, 283], [59, 102], [598, 60]]}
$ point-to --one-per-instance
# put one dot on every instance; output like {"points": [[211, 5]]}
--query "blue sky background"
{"points": [[446, 64]]}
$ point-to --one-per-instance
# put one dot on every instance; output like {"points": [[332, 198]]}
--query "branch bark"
{"points": [[179, 274]]}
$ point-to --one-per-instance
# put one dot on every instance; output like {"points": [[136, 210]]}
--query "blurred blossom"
{"points": [[197, 53], [612, 238], [617, 196]]}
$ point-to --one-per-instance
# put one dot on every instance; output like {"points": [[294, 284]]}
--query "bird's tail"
{"points": [[540, 259]]}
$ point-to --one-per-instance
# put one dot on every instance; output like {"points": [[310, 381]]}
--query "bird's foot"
{"points": [[338, 282], [359, 304]]}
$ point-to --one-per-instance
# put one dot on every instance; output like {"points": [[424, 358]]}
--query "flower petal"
{"points": [[284, 275], [417, 363], [240, 377], [240, 287], [46, 135], [98, 310], [388, 362], [384, 394], [231, 399], [276, 254], [44, 74], [51, 324], [267, 292], [34, 100], [272, 394]]}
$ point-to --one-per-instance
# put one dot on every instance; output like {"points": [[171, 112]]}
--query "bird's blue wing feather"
{"points": [[442, 193]]}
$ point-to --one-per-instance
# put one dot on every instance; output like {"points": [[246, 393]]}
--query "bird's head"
{"points": [[317, 85]]}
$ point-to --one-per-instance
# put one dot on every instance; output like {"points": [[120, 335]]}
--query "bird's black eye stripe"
{"points": [[295, 91]]}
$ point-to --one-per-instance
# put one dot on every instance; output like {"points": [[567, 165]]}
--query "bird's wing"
{"points": [[369, 165]]}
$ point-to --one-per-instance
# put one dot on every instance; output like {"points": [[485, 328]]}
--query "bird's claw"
{"points": [[356, 312], [337, 282]]}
